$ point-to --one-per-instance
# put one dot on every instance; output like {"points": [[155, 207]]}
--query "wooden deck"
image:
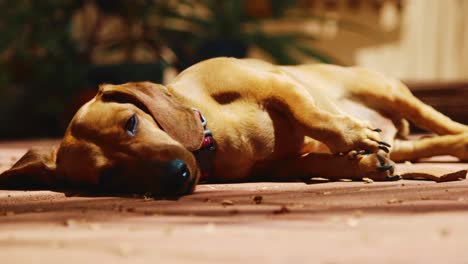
{"points": [[337, 222]]}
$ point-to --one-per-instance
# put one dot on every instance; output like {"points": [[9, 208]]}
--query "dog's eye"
{"points": [[131, 125]]}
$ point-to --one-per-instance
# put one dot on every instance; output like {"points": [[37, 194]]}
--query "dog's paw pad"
{"points": [[376, 166]]}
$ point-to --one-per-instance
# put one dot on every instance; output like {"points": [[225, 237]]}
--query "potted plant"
{"points": [[201, 29]]}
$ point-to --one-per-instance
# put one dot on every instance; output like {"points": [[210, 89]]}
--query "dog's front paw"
{"points": [[375, 166], [358, 135]]}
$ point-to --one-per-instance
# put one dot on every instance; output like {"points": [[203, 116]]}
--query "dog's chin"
{"points": [[186, 190], [172, 178]]}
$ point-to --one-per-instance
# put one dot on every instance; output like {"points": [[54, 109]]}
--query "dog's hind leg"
{"points": [[454, 145], [425, 116], [394, 98]]}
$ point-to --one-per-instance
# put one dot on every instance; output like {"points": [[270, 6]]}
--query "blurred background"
{"points": [[55, 53]]}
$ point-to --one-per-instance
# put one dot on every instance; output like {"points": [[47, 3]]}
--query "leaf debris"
{"points": [[282, 210], [227, 202], [257, 199], [367, 180]]}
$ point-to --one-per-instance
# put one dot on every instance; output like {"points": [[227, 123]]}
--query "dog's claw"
{"points": [[385, 168], [381, 159], [377, 130], [384, 149], [385, 144], [394, 178]]}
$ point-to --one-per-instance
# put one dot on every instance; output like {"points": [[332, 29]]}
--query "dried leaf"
{"points": [[358, 213], [318, 179], [394, 201], [444, 232], [9, 213], [227, 202], [148, 197], [282, 210], [367, 180], [258, 199]]}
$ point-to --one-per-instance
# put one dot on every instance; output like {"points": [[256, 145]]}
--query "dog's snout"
{"points": [[176, 177]]}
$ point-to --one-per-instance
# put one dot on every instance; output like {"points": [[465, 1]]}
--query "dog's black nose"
{"points": [[176, 177]]}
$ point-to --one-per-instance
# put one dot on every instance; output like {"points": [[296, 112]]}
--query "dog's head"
{"points": [[135, 137]]}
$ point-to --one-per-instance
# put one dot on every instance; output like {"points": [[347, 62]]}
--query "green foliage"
{"points": [[227, 20], [39, 70]]}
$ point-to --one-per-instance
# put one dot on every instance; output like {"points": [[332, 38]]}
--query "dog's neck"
{"points": [[205, 154]]}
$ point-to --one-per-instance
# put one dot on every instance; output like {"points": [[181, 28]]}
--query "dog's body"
{"points": [[280, 122]]}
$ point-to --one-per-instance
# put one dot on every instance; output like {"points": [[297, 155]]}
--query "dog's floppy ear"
{"points": [[178, 121], [36, 169]]}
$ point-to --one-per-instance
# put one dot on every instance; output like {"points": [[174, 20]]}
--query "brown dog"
{"points": [[275, 122]]}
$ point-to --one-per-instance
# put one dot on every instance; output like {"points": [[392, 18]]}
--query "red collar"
{"points": [[205, 154]]}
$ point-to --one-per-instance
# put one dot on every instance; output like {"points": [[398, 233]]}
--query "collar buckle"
{"points": [[205, 154]]}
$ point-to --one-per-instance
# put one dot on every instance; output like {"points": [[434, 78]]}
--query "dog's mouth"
{"points": [[170, 178]]}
